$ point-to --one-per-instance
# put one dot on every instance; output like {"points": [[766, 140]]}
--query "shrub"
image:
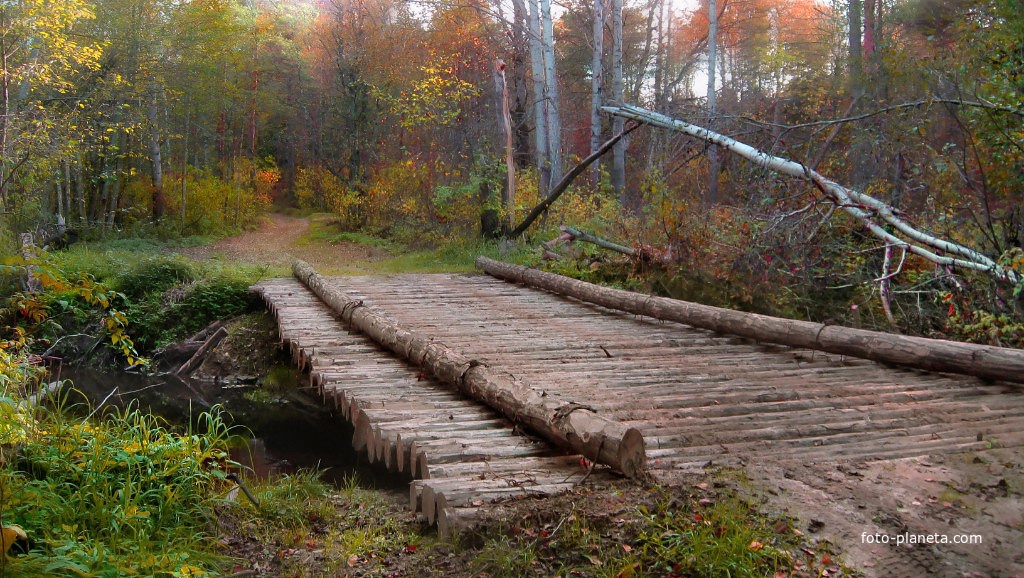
{"points": [[316, 188], [155, 274], [214, 205]]}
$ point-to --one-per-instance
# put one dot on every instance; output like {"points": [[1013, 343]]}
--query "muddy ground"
{"points": [[852, 508]]}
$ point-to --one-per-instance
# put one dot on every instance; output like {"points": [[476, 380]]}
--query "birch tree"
{"points": [[878, 217], [597, 85], [618, 172], [540, 109], [713, 160], [554, 122]]}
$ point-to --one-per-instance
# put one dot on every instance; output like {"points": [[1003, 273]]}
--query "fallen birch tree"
{"points": [[873, 213]]}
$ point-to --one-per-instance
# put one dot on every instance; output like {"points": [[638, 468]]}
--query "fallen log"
{"points": [[200, 354], [567, 180], [996, 363], [604, 243], [569, 425]]}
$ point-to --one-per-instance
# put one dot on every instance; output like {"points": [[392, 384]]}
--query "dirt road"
{"points": [[279, 241]]}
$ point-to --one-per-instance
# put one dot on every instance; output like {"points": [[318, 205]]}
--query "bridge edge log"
{"points": [[984, 361], [572, 426]]}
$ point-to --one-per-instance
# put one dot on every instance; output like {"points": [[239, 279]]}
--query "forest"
{"points": [[433, 123], [436, 122]]}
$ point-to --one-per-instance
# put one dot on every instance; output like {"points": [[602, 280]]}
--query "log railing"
{"points": [[996, 363]]}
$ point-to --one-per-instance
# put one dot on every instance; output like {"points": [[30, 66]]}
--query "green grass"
{"points": [[727, 538], [169, 297], [114, 496], [105, 260], [321, 231], [454, 256], [352, 527]]}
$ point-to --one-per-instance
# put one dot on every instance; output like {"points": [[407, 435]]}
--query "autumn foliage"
{"points": [[196, 117]]}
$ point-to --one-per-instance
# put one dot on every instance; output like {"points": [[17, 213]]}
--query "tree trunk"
{"points": [[856, 59], [59, 201], [83, 215], [184, 163], [114, 199], [565, 424], [155, 154], [554, 118], [714, 162], [540, 116], [508, 191], [597, 86], [519, 87], [618, 172], [5, 113], [931, 354], [67, 188]]}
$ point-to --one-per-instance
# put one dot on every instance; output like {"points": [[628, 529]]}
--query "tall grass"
{"points": [[121, 495]]}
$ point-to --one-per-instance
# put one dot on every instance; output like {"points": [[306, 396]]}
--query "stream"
{"points": [[284, 429]]}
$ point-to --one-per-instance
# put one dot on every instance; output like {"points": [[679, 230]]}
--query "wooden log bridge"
{"points": [[567, 424], [415, 362]]}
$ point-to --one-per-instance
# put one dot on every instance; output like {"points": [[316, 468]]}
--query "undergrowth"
{"points": [[666, 532], [168, 297], [120, 494]]}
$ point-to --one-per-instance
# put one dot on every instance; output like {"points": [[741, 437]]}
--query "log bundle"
{"points": [[996, 363]]}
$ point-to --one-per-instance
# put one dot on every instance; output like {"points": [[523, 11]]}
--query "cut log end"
{"points": [[632, 455]]}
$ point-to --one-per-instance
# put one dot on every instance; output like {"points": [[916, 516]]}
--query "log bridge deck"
{"points": [[696, 396]]}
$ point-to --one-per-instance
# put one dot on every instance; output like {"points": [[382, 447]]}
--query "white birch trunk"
{"points": [[155, 153], [551, 92], [713, 160], [597, 86], [618, 173], [540, 132]]}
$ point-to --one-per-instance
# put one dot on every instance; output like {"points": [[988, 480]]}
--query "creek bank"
{"points": [[285, 427]]}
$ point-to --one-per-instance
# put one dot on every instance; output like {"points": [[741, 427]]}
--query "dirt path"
{"points": [[279, 242]]}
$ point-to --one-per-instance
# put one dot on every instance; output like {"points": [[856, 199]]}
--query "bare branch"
{"points": [[888, 109]]}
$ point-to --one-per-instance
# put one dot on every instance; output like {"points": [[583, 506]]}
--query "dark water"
{"points": [[280, 432]]}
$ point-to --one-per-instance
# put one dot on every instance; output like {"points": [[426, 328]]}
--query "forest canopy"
{"points": [[432, 122]]}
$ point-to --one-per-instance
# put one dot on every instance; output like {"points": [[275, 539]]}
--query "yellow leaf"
{"points": [[628, 571]]}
